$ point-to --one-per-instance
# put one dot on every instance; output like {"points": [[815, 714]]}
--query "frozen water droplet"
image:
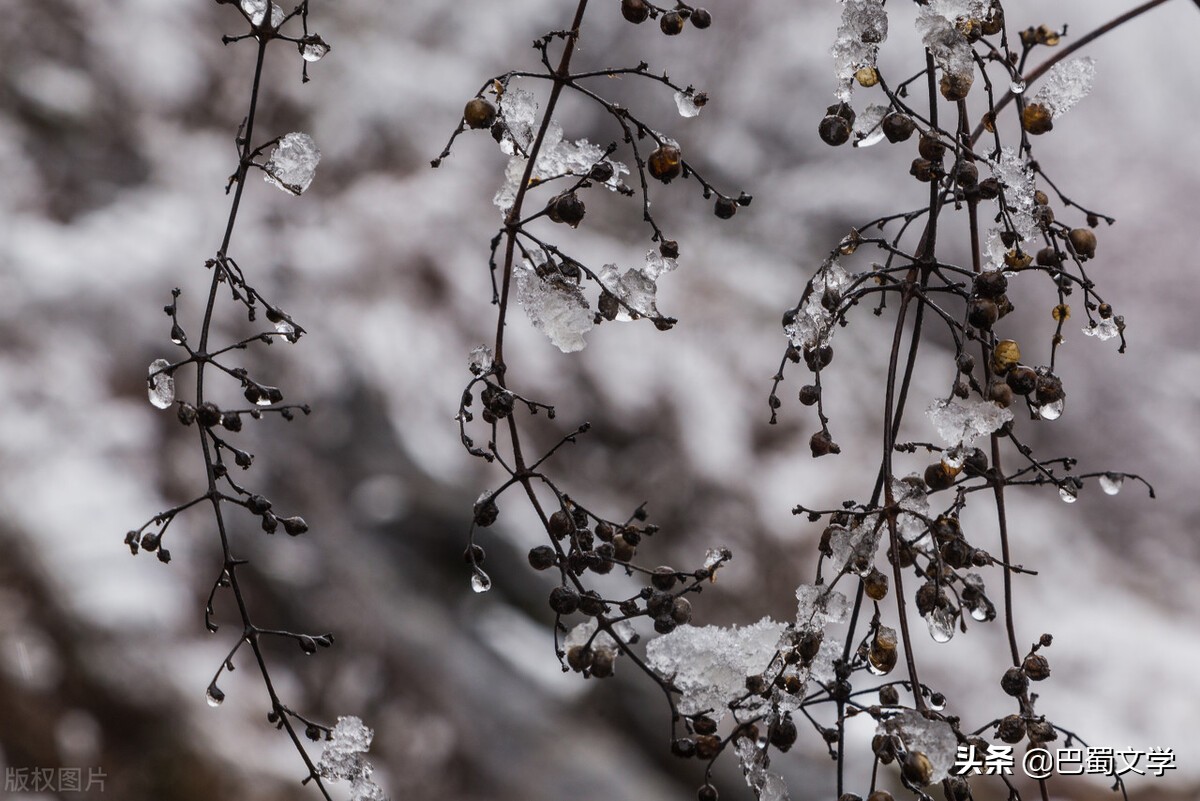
{"points": [[937, 702], [1111, 483], [1068, 493], [214, 695], [1051, 411], [313, 48], [689, 104], [983, 611], [715, 556], [177, 335], [284, 326], [1105, 329], [481, 360], [1017, 86], [162, 385], [941, 624], [480, 581], [293, 163]]}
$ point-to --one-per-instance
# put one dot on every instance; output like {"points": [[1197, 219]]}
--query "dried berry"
{"points": [[665, 163], [898, 127], [636, 11], [671, 23], [479, 113]]}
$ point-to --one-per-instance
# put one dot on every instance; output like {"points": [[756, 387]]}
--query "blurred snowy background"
{"points": [[116, 127]]}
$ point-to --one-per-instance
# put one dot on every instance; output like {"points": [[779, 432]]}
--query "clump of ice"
{"points": [[960, 424], [555, 306], [864, 27], [936, 23], [813, 324], [293, 163], [855, 547], [709, 664], [345, 758], [1065, 85], [557, 156]]}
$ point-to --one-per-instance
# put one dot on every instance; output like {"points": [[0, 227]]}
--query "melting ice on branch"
{"points": [[1016, 175], [864, 27], [937, 25], [293, 163]]}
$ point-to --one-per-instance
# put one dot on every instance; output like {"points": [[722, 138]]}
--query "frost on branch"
{"points": [[868, 128], [557, 157], [960, 424], [293, 163], [813, 324], [555, 306], [1065, 85], [709, 664], [864, 27], [909, 494], [918, 734], [1015, 174], [344, 757]]}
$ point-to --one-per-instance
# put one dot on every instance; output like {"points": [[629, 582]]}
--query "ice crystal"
{"points": [[481, 360], [162, 385], [933, 738], [256, 10], [961, 423], [709, 664], [813, 324], [818, 605], [1065, 85], [1105, 329], [293, 163], [863, 28], [555, 306]]}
